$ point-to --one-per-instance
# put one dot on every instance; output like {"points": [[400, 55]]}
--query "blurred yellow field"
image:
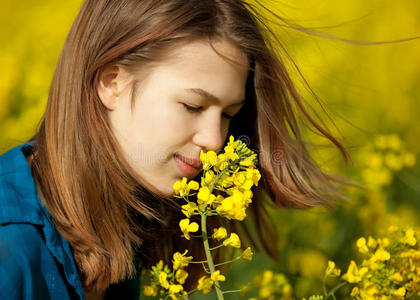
{"points": [[371, 92]]}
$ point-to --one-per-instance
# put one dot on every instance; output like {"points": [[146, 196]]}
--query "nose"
{"points": [[210, 135]]}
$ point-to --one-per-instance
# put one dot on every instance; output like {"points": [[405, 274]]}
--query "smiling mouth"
{"points": [[189, 167]]}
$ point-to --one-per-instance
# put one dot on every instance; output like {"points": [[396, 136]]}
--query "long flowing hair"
{"points": [[96, 200]]}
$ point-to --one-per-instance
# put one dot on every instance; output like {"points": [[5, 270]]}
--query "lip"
{"points": [[190, 167]]}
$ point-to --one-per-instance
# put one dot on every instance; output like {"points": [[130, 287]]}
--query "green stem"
{"points": [[198, 262], [323, 285], [227, 262], [208, 255], [331, 293], [210, 262], [221, 245], [192, 291], [195, 236], [231, 291], [205, 269]]}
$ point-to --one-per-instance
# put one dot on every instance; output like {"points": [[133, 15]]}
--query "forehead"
{"points": [[200, 48], [197, 65]]}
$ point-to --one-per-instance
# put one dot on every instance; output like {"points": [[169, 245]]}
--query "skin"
{"points": [[160, 125]]}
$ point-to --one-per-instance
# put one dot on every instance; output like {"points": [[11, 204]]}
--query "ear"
{"points": [[109, 86]]}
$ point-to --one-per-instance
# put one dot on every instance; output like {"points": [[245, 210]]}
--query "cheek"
{"points": [[161, 127]]}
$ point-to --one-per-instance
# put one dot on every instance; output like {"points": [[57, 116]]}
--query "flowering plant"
{"points": [[390, 269], [225, 191]]}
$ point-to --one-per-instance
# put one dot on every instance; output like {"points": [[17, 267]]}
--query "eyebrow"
{"points": [[205, 94]]}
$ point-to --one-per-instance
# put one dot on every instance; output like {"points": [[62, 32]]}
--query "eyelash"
{"points": [[196, 110]]}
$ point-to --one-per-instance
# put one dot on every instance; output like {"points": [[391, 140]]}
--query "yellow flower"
{"points": [[332, 270], [392, 228], [175, 288], [233, 241], [208, 178], [287, 290], [394, 142], [159, 265], [182, 188], [235, 205], [400, 292], [223, 162], [232, 142], [267, 277], [374, 160], [239, 178], [181, 275], [361, 245], [353, 274], [217, 277], [193, 185], [397, 277], [354, 291], [186, 227], [247, 254], [230, 151], [247, 162], [254, 175], [371, 242], [279, 279], [150, 290], [246, 179], [381, 141], [226, 205], [409, 237], [381, 254], [204, 196], [208, 159], [331, 266], [163, 280], [181, 260], [370, 290], [189, 209], [393, 161], [265, 292], [205, 284], [409, 159], [384, 242], [219, 233]]}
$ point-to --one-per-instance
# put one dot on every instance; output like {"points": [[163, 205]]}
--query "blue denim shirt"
{"points": [[35, 259]]}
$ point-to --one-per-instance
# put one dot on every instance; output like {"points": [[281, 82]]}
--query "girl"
{"points": [[140, 88]]}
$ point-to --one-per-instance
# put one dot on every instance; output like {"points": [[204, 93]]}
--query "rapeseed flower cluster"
{"points": [[224, 191], [167, 281], [385, 156], [225, 187], [391, 268]]}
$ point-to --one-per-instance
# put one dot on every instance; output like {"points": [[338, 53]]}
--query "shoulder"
{"points": [[18, 195], [21, 246], [22, 251]]}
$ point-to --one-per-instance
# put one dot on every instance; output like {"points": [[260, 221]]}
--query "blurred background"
{"points": [[370, 92]]}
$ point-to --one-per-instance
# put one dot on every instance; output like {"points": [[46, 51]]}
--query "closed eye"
{"points": [[197, 110], [193, 108]]}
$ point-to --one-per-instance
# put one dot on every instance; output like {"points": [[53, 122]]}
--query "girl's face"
{"points": [[184, 105]]}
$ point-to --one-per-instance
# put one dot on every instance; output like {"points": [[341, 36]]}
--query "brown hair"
{"points": [[96, 201]]}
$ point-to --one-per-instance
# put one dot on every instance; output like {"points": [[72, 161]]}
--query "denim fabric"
{"points": [[35, 259]]}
